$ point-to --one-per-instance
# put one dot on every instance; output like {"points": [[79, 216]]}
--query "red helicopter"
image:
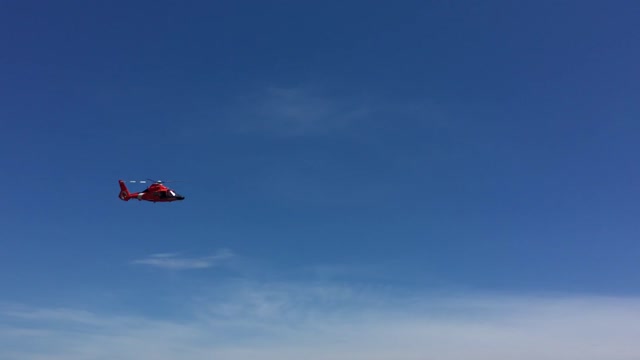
{"points": [[156, 192]]}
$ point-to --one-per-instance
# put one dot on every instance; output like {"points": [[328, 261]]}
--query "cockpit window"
{"points": [[172, 193]]}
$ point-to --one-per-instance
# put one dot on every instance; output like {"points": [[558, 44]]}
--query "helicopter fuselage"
{"points": [[154, 193]]}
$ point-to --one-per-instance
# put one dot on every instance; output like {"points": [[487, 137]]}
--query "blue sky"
{"points": [[346, 165]]}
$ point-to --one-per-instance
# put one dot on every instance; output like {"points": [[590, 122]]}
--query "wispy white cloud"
{"points": [[296, 111], [314, 110], [246, 320], [176, 262]]}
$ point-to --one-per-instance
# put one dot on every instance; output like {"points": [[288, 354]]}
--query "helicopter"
{"points": [[156, 192]]}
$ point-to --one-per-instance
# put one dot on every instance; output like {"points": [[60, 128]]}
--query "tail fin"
{"points": [[124, 192]]}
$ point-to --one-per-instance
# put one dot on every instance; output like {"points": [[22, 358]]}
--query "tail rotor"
{"points": [[124, 192]]}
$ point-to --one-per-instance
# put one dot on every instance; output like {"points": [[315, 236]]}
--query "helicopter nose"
{"points": [[180, 197]]}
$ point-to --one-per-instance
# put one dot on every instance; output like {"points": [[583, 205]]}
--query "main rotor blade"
{"points": [[151, 181], [163, 181]]}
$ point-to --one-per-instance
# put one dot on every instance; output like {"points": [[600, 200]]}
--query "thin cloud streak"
{"points": [[241, 321], [297, 111], [175, 262]]}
